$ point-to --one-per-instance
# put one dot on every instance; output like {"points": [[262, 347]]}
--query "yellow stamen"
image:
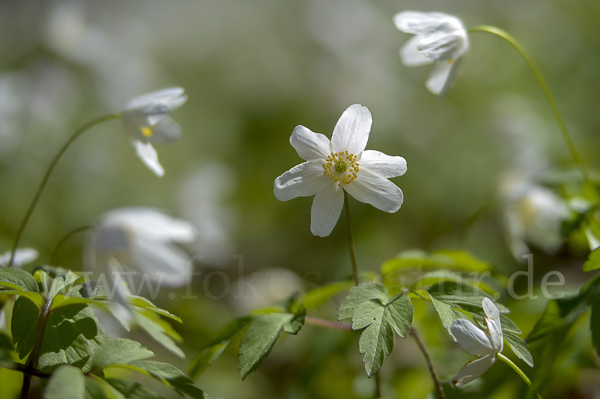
{"points": [[147, 131], [341, 167]]}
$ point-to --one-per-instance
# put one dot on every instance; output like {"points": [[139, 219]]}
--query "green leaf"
{"points": [[296, 322], [457, 293], [64, 300], [94, 390], [193, 392], [66, 383], [595, 322], [6, 349], [160, 330], [593, 261], [260, 339], [24, 325], [464, 261], [559, 314], [72, 336], [519, 347], [17, 279], [163, 372], [132, 390], [34, 297], [359, 295], [317, 297], [380, 319], [446, 313], [146, 304], [444, 259], [117, 351], [217, 346]]}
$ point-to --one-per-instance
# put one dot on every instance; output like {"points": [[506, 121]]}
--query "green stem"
{"points": [[432, 372], [377, 385], [63, 240], [350, 240], [38, 194], [517, 370], [546, 89], [32, 360]]}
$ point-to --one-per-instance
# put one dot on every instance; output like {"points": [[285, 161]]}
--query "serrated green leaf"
{"points": [[94, 390], [595, 322], [132, 390], [457, 293], [24, 325], [593, 261], [260, 339], [73, 334], [297, 321], [66, 383], [117, 351], [64, 300], [380, 319], [359, 295], [160, 330], [317, 297], [446, 313], [17, 279], [146, 304], [193, 392], [217, 346], [34, 297], [559, 314], [107, 390], [519, 347], [163, 371]]}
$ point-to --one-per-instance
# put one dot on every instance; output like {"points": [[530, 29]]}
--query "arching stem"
{"points": [[63, 240], [517, 370], [40, 189]]}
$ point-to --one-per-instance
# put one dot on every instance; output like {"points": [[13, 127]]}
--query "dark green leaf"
{"points": [[216, 347], [519, 347], [193, 392], [94, 390], [17, 279], [34, 297], [24, 325], [72, 336], [117, 351], [163, 371], [6, 349], [132, 390], [595, 322], [359, 295], [380, 319], [160, 330], [593, 261], [66, 383], [559, 313]]}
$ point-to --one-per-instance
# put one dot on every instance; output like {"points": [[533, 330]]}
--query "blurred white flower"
{"points": [[146, 122], [532, 214], [22, 256], [203, 201], [440, 38], [333, 166], [485, 344], [141, 239]]}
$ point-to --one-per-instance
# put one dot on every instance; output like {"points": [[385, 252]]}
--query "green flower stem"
{"points": [[63, 240], [377, 385], [546, 89], [517, 370], [328, 324], [425, 352], [38, 194], [32, 360], [350, 240]]}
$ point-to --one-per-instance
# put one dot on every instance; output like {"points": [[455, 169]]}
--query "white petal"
{"points": [[164, 96], [148, 155], [150, 224], [177, 102], [165, 132], [493, 323], [309, 145], [326, 209], [22, 256], [473, 370], [420, 23], [410, 54], [161, 262], [442, 77], [381, 164], [377, 191], [471, 338], [441, 46], [302, 180], [351, 132], [2, 320], [138, 118]]}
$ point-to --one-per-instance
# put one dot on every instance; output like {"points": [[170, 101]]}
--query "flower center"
{"points": [[341, 167], [147, 131]]}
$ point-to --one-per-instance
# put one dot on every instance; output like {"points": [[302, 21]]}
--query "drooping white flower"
{"points": [[141, 239], [440, 38], [340, 164], [146, 122], [485, 344], [22, 256]]}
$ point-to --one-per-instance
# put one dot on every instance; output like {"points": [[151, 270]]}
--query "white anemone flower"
{"points": [[339, 165], [485, 344], [147, 123], [22, 256], [440, 38], [141, 239]]}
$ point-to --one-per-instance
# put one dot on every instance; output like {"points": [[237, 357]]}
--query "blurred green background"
{"points": [[253, 70]]}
